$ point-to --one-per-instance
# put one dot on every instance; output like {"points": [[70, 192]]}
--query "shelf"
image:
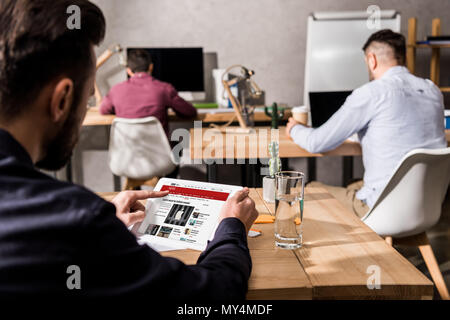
{"points": [[432, 46], [445, 89], [413, 44]]}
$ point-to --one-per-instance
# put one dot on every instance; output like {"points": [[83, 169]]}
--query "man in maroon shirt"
{"points": [[144, 96]]}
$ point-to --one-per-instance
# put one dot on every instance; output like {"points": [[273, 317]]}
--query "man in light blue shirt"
{"points": [[393, 114]]}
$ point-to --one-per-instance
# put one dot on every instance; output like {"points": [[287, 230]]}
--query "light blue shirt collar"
{"points": [[395, 70]]}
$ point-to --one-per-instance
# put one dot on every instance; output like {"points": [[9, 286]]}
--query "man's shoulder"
{"points": [[34, 190], [82, 202], [424, 84], [402, 81], [371, 87], [364, 92], [77, 192], [162, 84], [375, 88], [119, 86], [152, 82]]}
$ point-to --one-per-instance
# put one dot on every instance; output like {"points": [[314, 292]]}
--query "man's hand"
{"points": [[240, 206], [128, 207], [291, 123]]}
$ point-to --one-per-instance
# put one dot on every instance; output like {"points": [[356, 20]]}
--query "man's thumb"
{"points": [[136, 216]]}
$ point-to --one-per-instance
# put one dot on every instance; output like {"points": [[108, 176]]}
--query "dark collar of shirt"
{"points": [[10, 147]]}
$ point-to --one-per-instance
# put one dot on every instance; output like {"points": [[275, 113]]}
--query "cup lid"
{"points": [[300, 109]]}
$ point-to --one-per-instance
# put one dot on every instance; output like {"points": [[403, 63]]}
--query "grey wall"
{"points": [[266, 35]]}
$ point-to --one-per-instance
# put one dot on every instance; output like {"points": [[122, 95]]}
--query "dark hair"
{"points": [[394, 40], [37, 46], [139, 60]]}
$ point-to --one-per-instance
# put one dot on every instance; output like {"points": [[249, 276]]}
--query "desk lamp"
{"points": [[105, 56], [253, 91]]}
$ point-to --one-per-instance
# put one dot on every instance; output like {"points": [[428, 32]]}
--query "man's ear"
{"points": [[129, 72], [62, 99], [150, 68], [372, 61]]}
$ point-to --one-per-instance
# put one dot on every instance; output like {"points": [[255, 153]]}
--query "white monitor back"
{"points": [[334, 57], [192, 96]]}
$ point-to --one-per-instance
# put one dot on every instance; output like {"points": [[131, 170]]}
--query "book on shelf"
{"points": [[438, 38], [435, 40]]}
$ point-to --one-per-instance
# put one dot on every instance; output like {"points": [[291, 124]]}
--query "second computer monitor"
{"points": [[181, 67]]}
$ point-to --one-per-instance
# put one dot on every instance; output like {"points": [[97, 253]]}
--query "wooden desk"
{"points": [[338, 249], [94, 118], [208, 144], [213, 147]]}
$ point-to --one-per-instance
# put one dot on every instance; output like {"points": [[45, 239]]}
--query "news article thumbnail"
{"points": [[164, 232], [152, 229], [179, 215]]}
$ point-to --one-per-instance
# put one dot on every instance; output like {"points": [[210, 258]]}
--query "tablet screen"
{"points": [[186, 218]]}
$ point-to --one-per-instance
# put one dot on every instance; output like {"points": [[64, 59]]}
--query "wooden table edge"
{"points": [[388, 292], [305, 293]]}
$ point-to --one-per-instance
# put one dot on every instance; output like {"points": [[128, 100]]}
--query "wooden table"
{"points": [[213, 147], [207, 143], [333, 262], [94, 118]]}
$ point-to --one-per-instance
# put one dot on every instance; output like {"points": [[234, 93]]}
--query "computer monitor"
{"points": [[325, 104], [181, 67]]}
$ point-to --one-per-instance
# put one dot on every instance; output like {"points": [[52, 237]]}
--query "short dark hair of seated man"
{"points": [[143, 95], [394, 40], [139, 60], [50, 228]]}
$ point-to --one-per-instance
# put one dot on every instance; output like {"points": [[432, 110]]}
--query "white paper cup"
{"points": [[300, 114]]}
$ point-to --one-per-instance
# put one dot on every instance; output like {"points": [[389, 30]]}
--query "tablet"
{"points": [[186, 218]]}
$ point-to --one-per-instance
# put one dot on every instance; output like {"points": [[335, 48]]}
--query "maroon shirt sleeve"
{"points": [[107, 107], [181, 107]]}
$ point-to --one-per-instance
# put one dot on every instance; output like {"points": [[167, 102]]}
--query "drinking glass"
{"points": [[289, 209]]}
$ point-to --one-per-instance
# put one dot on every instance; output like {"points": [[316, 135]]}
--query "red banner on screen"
{"points": [[197, 193]]}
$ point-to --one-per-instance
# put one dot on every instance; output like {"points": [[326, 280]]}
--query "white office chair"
{"points": [[411, 203], [139, 150]]}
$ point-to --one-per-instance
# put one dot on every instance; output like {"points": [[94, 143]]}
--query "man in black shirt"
{"points": [[49, 227]]}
